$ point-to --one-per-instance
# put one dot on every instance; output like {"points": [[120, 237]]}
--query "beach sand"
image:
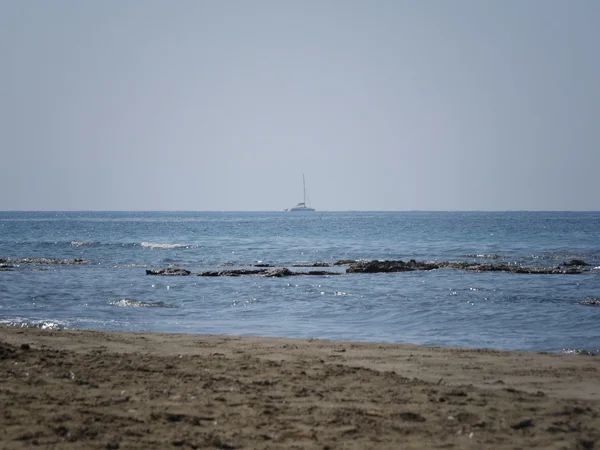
{"points": [[86, 389]]}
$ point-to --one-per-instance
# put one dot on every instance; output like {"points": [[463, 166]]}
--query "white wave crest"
{"points": [[81, 243], [25, 323], [126, 302], [153, 245]]}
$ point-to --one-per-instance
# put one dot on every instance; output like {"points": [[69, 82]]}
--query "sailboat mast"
{"points": [[304, 188]]}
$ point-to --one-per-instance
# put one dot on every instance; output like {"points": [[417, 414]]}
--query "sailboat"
{"points": [[302, 206]]}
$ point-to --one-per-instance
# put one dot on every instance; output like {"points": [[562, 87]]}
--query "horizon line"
{"points": [[286, 211]]}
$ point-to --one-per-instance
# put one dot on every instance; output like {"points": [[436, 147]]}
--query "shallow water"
{"points": [[442, 307]]}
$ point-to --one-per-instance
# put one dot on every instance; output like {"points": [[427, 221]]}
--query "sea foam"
{"points": [[82, 243], [153, 245], [129, 303]]}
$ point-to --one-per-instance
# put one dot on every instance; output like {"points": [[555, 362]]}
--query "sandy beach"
{"points": [[86, 389]]}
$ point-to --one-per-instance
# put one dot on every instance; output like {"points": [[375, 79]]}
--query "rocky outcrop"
{"points": [[510, 268], [318, 273], [171, 271], [314, 264], [390, 266], [386, 266], [278, 273], [271, 273], [231, 273], [345, 262], [47, 261], [575, 262], [375, 266]]}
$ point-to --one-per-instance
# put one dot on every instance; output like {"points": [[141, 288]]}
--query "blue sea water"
{"points": [[446, 307]]}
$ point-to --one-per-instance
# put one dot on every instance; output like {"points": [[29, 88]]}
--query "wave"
{"points": [[78, 244], [46, 261], [591, 302], [26, 323], [83, 243], [553, 256], [130, 266], [156, 246], [580, 351], [483, 256], [129, 303]]}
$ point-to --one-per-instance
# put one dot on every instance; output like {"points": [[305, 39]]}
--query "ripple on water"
{"points": [[130, 303]]}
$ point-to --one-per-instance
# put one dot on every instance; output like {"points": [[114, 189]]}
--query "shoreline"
{"points": [[96, 389]]}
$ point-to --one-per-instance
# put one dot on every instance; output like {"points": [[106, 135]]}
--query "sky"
{"points": [[224, 105]]}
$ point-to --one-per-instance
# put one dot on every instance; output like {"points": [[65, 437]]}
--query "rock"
{"points": [[318, 273], [527, 270], [67, 261], [231, 273], [345, 262], [575, 262], [390, 266], [272, 273], [171, 271], [283, 272], [491, 268], [314, 264]]}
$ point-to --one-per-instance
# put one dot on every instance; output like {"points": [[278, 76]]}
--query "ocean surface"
{"points": [[447, 307]]}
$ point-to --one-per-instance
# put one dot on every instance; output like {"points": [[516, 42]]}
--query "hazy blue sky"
{"points": [[222, 105]]}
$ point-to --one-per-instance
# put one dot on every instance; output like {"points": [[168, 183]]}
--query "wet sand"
{"points": [[85, 389]]}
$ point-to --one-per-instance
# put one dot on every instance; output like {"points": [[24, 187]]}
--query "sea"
{"points": [[87, 270]]}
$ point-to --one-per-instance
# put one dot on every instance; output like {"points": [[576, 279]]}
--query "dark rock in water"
{"points": [[318, 273], [345, 262], [376, 266], [508, 268], [75, 261], [390, 266], [168, 272], [273, 273], [575, 262], [279, 272], [231, 273], [314, 264], [400, 266], [283, 272], [491, 268], [6, 267]]}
